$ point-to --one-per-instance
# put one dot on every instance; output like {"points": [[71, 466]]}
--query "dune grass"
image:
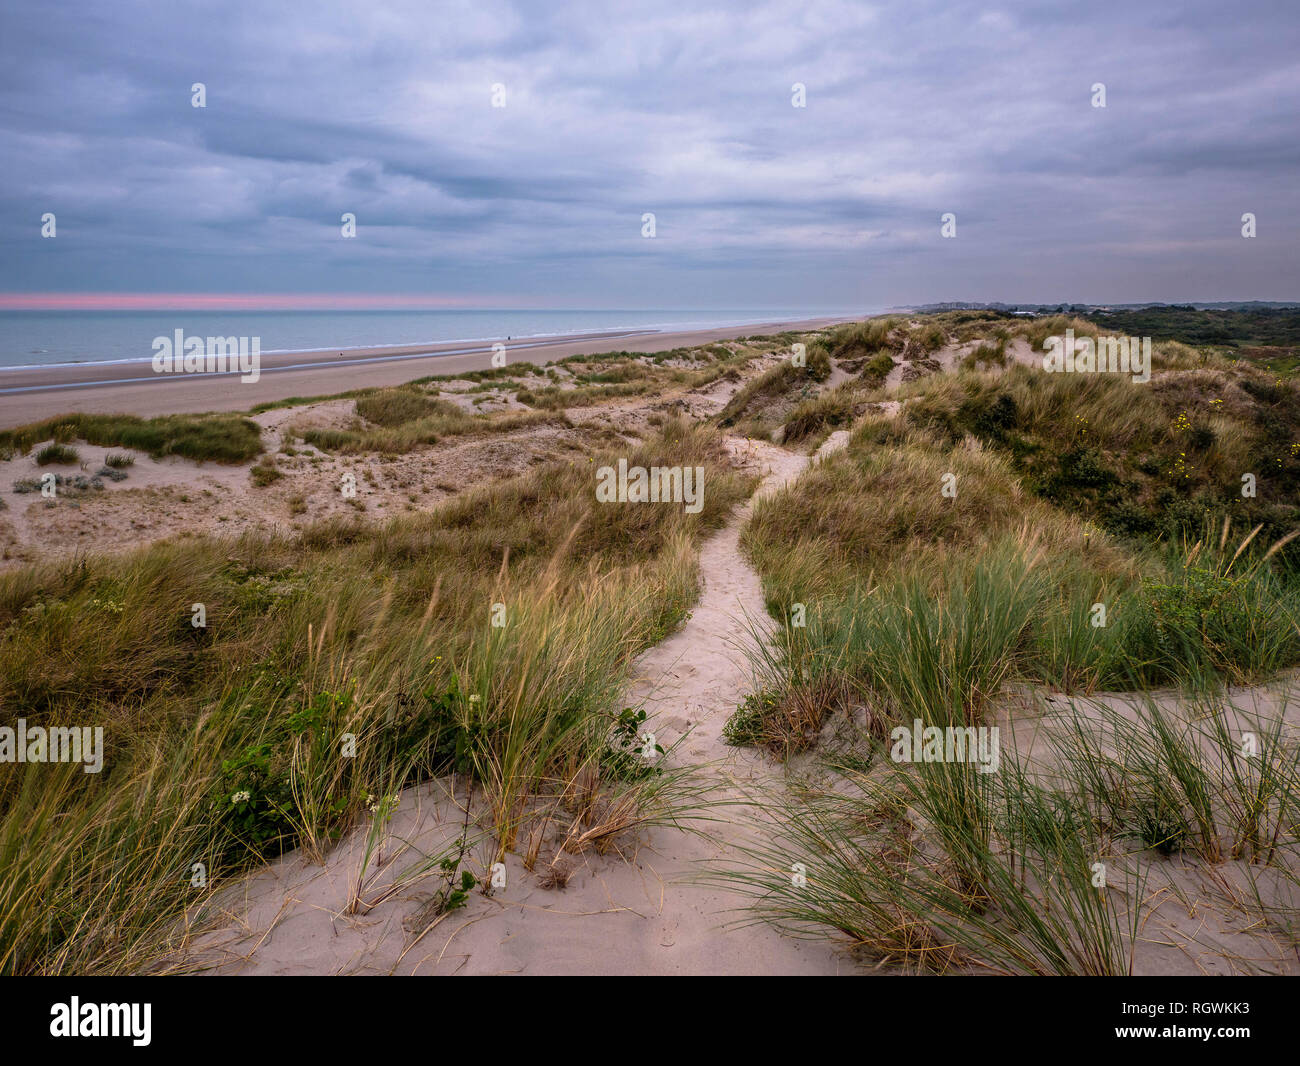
{"points": [[220, 438], [822, 413], [1044, 466], [401, 424], [972, 541], [553, 398], [936, 636], [1146, 461], [226, 743], [56, 453], [938, 868], [857, 339], [395, 407], [782, 380], [1048, 865]]}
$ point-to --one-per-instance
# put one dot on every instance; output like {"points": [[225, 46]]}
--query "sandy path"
{"points": [[646, 915]]}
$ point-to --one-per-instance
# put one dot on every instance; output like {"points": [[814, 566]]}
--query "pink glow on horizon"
{"points": [[184, 301]]}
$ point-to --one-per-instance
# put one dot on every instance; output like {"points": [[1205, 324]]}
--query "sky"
{"points": [[612, 110]]}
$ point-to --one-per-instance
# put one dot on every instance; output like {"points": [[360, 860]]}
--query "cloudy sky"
{"points": [[613, 109]]}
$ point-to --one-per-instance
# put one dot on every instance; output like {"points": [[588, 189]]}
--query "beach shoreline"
{"points": [[31, 393]]}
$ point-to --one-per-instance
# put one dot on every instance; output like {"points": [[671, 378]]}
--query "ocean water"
{"points": [[45, 338]]}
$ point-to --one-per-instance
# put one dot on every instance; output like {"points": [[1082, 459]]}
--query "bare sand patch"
{"points": [[173, 497]]}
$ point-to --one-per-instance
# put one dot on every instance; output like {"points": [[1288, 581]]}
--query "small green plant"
{"points": [[255, 799], [455, 891], [455, 896], [630, 756], [746, 726]]}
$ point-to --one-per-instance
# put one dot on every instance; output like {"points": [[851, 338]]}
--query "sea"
{"points": [[49, 338]]}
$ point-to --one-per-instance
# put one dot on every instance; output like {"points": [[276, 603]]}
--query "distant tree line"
{"points": [[1258, 327]]}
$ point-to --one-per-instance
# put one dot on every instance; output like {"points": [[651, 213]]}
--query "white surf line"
{"points": [[320, 365]]}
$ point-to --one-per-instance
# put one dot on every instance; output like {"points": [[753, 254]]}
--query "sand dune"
{"points": [[646, 915]]}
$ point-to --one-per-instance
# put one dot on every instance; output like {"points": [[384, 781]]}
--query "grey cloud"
{"points": [[914, 109]]}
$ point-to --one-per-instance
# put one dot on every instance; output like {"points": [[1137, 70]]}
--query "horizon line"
{"points": [[229, 301]]}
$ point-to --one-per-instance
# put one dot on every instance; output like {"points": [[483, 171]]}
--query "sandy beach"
{"points": [[31, 393]]}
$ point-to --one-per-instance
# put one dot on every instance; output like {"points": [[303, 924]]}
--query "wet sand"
{"points": [[33, 393]]}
